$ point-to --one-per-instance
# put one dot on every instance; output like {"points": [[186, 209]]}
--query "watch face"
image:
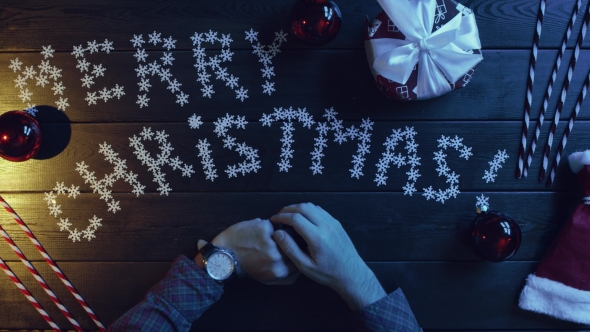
{"points": [[220, 265]]}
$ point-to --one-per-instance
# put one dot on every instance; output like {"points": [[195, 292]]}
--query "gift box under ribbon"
{"points": [[421, 49]]}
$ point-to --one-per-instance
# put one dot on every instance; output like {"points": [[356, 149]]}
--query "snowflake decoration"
{"points": [[214, 63], [482, 203], [266, 54], [42, 78], [443, 169], [389, 158], [207, 161], [97, 71], [495, 165], [64, 223], [155, 68], [287, 115], [252, 160], [341, 135], [163, 158]]}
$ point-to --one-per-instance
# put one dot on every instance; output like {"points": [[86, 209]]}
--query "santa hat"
{"points": [[560, 287]]}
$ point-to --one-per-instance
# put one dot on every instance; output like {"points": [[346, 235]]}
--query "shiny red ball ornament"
{"points": [[495, 236], [20, 136], [315, 21]]}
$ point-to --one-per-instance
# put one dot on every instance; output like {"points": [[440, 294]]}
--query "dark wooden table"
{"points": [[408, 241]]}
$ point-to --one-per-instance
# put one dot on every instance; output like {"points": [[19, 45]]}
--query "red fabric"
{"points": [[568, 259]]}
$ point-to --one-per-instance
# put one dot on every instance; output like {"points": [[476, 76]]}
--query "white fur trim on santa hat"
{"points": [[578, 160], [555, 299]]}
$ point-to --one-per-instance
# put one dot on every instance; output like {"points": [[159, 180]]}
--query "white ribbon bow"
{"points": [[442, 55]]}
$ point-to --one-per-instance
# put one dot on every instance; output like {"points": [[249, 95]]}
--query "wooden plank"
{"points": [[383, 226], [42, 175], [441, 295], [502, 24], [303, 79]]}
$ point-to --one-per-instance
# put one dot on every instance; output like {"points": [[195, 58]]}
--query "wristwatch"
{"points": [[220, 264]]}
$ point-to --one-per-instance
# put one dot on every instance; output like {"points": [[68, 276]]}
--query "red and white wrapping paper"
{"points": [[560, 287], [421, 49]]}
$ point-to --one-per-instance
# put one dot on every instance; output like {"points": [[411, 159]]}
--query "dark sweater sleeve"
{"points": [[175, 302], [391, 313]]}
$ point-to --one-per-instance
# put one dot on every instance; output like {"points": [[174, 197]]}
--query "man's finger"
{"points": [[288, 280], [302, 226], [308, 210], [292, 250]]}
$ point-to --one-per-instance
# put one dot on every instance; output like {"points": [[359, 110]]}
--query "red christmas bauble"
{"points": [[315, 21], [20, 136], [495, 236]]}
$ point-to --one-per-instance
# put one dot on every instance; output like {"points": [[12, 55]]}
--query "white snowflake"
{"points": [[251, 36], [169, 43], [47, 52], [64, 224], [489, 176], [137, 41], [167, 59], [466, 152], [91, 98], [60, 188], [98, 70], [25, 95], [429, 193], [58, 88], [268, 87], [140, 55], [194, 121], [142, 100], [182, 99], [15, 65], [482, 201], [83, 65], [241, 94], [75, 235], [154, 38], [78, 51], [117, 91]]}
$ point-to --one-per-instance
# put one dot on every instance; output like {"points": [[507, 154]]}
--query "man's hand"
{"points": [[332, 259], [257, 253]]}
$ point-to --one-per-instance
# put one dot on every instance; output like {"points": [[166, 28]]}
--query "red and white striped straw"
{"points": [[40, 280], [566, 85], [51, 263], [28, 295], [568, 130], [529, 91], [556, 65]]}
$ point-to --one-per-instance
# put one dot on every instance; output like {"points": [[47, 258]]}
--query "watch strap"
{"points": [[207, 249]]}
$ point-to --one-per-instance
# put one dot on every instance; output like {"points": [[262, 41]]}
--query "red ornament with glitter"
{"points": [[20, 136], [315, 21]]}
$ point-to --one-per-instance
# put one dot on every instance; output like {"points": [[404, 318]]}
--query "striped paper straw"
{"points": [[566, 85], [51, 263], [568, 130], [556, 65], [28, 295], [529, 91], [39, 279]]}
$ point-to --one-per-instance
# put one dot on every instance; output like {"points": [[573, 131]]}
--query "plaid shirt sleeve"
{"points": [[391, 313], [175, 302]]}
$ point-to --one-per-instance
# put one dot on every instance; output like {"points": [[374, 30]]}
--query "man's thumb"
{"points": [[290, 248]]}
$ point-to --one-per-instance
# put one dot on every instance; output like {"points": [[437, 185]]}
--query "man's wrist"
{"points": [[199, 261], [362, 290]]}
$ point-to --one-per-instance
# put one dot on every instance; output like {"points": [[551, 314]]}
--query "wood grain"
{"points": [[436, 291], [303, 79], [42, 175], [383, 226], [501, 24]]}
